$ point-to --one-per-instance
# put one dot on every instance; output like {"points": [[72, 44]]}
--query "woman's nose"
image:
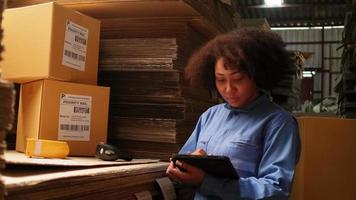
{"points": [[229, 87]]}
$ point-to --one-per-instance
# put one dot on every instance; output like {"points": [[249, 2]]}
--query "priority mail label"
{"points": [[74, 117], [75, 46]]}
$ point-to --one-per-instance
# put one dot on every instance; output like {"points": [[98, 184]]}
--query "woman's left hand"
{"points": [[189, 173]]}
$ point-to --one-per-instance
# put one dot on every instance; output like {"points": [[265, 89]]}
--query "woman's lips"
{"points": [[233, 99]]}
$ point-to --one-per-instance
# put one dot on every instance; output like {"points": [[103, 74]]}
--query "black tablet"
{"points": [[214, 165]]}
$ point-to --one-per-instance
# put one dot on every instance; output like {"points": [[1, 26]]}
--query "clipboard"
{"points": [[219, 166]]}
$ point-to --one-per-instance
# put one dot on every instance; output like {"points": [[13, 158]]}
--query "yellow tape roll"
{"points": [[46, 148]]}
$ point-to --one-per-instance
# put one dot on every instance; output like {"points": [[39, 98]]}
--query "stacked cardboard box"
{"points": [[327, 157], [53, 52]]}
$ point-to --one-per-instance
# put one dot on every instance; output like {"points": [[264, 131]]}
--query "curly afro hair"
{"points": [[259, 53]]}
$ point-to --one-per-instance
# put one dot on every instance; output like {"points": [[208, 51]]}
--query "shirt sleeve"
{"points": [[276, 169]]}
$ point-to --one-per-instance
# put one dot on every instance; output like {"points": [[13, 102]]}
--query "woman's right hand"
{"points": [[189, 173]]}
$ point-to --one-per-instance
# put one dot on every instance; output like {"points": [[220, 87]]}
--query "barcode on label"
{"points": [[74, 127], [80, 40], [74, 55], [81, 110]]}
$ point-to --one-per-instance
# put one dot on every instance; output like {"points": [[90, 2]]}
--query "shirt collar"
{"points": [[263, 97]]}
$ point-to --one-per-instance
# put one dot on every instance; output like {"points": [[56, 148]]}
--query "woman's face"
{"points": [[235, 87]]}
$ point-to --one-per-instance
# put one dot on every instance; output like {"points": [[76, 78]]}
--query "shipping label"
{"points": [[75, 46], [74, 117]]}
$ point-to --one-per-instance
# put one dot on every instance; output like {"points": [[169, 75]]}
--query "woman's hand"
{"points": [[186, 173]]}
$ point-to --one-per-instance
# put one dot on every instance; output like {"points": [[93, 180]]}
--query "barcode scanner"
{"points": [[111, 153]]}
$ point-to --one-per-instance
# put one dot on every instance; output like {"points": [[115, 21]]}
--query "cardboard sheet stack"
{"points": [[106, 182], [148, 107], [52, 51]]}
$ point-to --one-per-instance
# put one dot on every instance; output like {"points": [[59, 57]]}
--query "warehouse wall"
{"points": [[310, 40]]}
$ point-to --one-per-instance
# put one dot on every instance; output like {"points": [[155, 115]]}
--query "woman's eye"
{"points": [[238, 78]]}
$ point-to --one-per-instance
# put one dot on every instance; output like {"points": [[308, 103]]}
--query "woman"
{"points": [[260, 138]]}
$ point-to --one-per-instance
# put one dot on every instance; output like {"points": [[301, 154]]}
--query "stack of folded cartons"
{"points": [[149, 106], [52, 51], [147, 102]]}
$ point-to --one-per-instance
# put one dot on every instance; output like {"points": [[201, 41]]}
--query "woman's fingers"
{"points": [[199, 152]]}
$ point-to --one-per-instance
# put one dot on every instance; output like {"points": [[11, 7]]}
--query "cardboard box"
{"points": [[49, 41], [71, 112], [326, 169]]}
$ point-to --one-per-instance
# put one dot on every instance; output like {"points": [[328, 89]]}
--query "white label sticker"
{"points": [[74, 117], [75, 46]]}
